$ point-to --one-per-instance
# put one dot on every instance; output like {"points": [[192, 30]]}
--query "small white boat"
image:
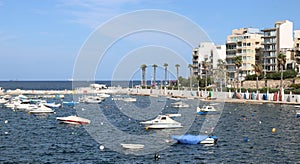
{"points": [[41, 109], [70, 103], [133, 146], [179, 104], [208, 141], [91, 99], [52, 105], [3, 101], [73, 120], [205, 110], [126, 99], [163, 122]]}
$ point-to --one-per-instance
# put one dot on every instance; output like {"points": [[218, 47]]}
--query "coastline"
{"points": [[209, 96]]}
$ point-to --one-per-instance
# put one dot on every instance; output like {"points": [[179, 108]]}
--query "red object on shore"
{"points": [[275, 97]]}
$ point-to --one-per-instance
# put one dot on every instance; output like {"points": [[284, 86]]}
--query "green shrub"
{"points": [[286, 75], [253, 77], [295, 86]]}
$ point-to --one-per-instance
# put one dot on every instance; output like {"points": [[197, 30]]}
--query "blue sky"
{"points": [[40, 40]]}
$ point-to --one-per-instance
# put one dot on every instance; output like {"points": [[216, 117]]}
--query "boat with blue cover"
{"points": [[195, 139]]}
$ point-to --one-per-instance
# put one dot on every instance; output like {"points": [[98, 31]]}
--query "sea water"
{"points": [[244, 132]]}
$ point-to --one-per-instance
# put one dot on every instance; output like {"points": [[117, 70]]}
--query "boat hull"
{"points": [[73, 120], [132, 146], [164, 126]]}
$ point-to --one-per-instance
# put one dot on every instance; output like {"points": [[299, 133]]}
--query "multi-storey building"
{"points": [[297, 50], [275, 40], [244, 42], [209, 52]]}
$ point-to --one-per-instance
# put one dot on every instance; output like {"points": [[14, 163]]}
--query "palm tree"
{"points": [[258, 68], [238, 63], [154, 74], [221, 67], [191, 76], [166, 72], [205, 67], [143, 67], [281, 60], [177, 74]]}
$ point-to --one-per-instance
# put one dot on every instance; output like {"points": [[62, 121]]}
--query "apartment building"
{"points": [[275, 40], [245, 42], [209, 52], [297, 50]]}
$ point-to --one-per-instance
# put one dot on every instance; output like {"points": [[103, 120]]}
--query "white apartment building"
{"points": [[275, 40], [209, 52]]}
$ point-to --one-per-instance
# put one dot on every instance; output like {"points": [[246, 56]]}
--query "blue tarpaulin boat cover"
{"points": [[190, 139]]}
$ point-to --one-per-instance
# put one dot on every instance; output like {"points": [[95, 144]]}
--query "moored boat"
{"points": [[52, 105], [73, 120], [42, 109], [70, 103], [133, 146], [163, 122], [195, 139], [91, 99], [205, 110]]}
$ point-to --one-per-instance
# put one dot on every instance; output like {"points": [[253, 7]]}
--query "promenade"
{"points": [[215, 96]]}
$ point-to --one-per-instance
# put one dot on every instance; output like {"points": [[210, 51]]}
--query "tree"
{"points": [[221, 67], [177, 74], [166, 72], [281, 60], [258, 68], [143, 67], [154, 74], [238, 63], [191, 76], [205, 67]]}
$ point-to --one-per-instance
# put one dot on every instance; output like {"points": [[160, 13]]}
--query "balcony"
{"points": [[268, 43], [230, 56], [269, 50]]}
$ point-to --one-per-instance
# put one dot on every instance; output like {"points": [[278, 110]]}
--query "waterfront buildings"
{"points": [[276, 40], [244, 42], [208, 52], [254, 46]]}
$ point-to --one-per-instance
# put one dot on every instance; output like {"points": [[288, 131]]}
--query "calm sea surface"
{"points": [[244, 131]]}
